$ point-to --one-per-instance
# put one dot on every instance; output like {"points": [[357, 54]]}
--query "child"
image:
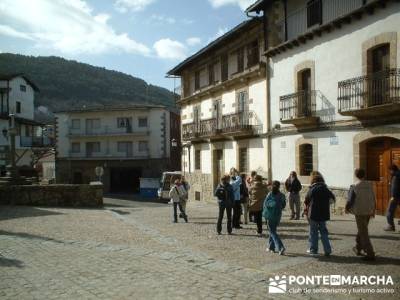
{"points": [[274, 203]]}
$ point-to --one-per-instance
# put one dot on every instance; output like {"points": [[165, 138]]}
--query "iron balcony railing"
{"points": [[107, 130], [36, 141], [316, 12], [244, 121], [371, 90], [298, 105]]}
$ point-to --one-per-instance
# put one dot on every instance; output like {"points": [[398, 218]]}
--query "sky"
{"points": [[144, 38]]}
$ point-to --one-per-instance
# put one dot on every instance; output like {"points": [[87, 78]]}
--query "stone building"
{"points": [[128, 142], [17, 95], [223, 108], [334, 94]]}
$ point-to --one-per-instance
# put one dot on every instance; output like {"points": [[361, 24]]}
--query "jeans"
{"points": [[258, 220], [294, 204], [391, 210], [222, 208], [237, 207], [176, 205], [275, 243], [316, 228], [362, 239]]}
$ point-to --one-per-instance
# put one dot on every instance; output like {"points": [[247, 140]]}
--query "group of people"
{"points": [[255, 199]]}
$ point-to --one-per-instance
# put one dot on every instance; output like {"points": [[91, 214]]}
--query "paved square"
{"points": [[132, 250]]}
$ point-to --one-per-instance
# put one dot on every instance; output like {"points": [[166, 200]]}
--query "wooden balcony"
{"points": [[372, 96], [238, 124], [298, 108]]}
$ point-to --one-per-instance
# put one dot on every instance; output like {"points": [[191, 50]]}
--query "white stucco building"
{"points": [[17, 95], [223, 108], [334, 90], [129, 142]]}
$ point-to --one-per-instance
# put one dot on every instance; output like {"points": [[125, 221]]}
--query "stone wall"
{"points": [[67, 195], [202, 184]]}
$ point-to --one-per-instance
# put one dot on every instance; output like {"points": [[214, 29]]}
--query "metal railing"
{"points": [[298, 105], [106, 130], [320, 11], [371, 90], [36, 141], [231, 123]]}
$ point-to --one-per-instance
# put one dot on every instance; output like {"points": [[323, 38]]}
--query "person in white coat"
{"points": [[177, 194]]}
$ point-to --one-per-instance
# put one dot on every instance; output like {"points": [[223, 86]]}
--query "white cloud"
{"points": [[170, 49], [68, 26], [243, 4], [161, 19], [193, 41], [124, 6]]}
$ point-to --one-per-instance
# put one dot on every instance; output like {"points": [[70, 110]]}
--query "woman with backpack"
{"points": [[317, 202], [274, 203]]}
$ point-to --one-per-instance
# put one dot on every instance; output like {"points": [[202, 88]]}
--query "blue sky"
{"points": [[144, 38]]}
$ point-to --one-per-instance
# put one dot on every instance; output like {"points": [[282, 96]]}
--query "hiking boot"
{"points": [[312, 253], [389, 228]]}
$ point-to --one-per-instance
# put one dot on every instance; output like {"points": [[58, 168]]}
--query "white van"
{"points": [[167, 180]]}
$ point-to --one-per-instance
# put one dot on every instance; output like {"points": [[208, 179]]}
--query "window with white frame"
{"points": [[142, 122], [75, 147], [75, 124], [143, 146]]}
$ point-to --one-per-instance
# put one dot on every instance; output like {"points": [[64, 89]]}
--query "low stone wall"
{"points": [[66, 195]]}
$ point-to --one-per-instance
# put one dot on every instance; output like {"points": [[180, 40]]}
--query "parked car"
{"points": [[166, 180]]}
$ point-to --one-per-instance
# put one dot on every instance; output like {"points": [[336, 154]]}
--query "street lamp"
{"points": [[174, 143]]}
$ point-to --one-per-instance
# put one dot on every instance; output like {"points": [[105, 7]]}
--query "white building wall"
{"points": [[25, 98], [337, 56]]}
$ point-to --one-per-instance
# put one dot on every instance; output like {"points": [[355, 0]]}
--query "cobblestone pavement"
{"points": [[132, 250]]}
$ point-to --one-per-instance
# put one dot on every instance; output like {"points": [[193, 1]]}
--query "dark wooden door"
{"points": [[381, 153], [379, 83], [304, 99], [218, 165]]}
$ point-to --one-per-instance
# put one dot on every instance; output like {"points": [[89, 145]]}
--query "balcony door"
{"points": [[92, 125], [217, 113], [304, 89], [196, 118], [218, 166], [379, 81], [381, 153]]}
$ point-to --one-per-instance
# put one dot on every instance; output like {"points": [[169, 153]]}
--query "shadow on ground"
{"points": [[13, 212], [10, 262]]}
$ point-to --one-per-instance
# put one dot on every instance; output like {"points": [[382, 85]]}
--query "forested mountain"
{"points": [[67, 83]]}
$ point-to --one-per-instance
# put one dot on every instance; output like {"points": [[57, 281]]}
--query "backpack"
{"points": [[272, 211]]}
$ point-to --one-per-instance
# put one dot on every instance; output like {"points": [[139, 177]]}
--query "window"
{"points": [[224, 67], [22, 88], [197, 160], [242, 101], [253, 54], [75, 147], [75, 124], [243, 160], [92, 147], [197, 196], [314, 13], [142, 121], [125, 147], [18, 107], [123, 122], [211, 74], [197, 80], [92, 123], [306, 159], [143, 146], [240, 59]]}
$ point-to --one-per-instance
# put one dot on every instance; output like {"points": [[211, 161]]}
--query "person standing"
{"points": [[244, 198], [293, 186], [361, 203], [395, 197], [235, 182], [257, 193], [185, 198], [318, 201], [274, 203], [176, 193], [224, 194]]}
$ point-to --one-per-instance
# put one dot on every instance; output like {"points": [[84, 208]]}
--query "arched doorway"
{"points": [[381, 152]]}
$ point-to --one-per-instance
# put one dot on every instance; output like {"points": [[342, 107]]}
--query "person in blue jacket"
{"points": [[225, 196], [236, 182], [274, 203]]}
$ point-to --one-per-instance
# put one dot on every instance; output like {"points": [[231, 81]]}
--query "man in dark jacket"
{"points": [[318, 200], [293, 186], [395, 194], [225, 196]]}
